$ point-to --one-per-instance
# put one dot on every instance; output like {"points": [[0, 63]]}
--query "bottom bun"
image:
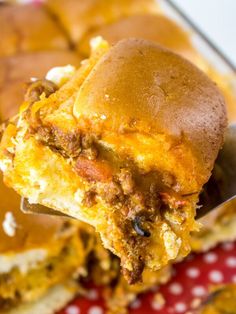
{"points": [[54, 300]]}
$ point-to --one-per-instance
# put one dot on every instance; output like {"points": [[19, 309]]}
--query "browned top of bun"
{"points": [[16, 72], [32, 231], [140, 82], [79, 17], [27, 28], [157, 28]]}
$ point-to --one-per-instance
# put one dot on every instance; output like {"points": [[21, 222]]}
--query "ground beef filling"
{"points": [[138, 199]]}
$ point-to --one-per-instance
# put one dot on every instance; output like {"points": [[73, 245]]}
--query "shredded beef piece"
{"points": [[135, 275], [90, 153], [67, 144], [70, 142], [87, 140], [89, 198], [112, 193], [89, 149], [37, 88]]}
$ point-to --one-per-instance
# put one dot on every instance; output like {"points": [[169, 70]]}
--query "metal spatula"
{"points": [[29, 208], [220, 191]]}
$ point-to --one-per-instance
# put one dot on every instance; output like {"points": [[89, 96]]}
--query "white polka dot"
{"points": [[72, 309], [216, 276], [228, 246], [95, 310], [193, 272], [158, 302], [175, 288], [210, 258], [198, 291], [231, 262], [157, 306], [135, 304], [180, 307], [92, 294]]}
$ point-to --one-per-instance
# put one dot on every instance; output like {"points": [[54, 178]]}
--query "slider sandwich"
{"points": [[154, 27], [166, 32], [126, 146], [41, 258], [80, 17], [28, 28]]}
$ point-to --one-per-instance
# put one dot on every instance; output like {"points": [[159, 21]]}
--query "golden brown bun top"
{"points": [[139, 83], [80, 16], [32, 231], [157, 28], [27, 28], [16, 71]]}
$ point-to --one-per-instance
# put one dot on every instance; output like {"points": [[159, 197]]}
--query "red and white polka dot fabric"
{"points": [[190, 284]]}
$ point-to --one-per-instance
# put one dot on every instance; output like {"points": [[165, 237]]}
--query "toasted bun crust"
{"points": [[140, 83], [28, 28], [160, 30], [16, 72], [79, 17], [32, 231]]}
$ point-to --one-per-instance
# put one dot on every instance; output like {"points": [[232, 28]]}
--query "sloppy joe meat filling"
{"points": [[140, 200]]}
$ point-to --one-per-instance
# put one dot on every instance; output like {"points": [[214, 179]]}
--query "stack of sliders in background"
{"points": [[41, 259], [30, 45], [29, 52]]}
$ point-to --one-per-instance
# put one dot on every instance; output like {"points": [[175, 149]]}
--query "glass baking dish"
{"points": [[203, 45]]}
